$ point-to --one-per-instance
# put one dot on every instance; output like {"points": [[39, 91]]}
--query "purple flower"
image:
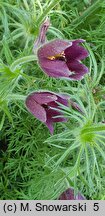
{"points": [[62, 59], [69, 195], [42, 105]]}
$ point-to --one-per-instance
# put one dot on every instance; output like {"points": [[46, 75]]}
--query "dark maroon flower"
{"points": [[42, 104], [62, 59], [69, 195]]}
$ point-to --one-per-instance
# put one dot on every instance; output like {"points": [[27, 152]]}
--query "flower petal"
{"points": [[53, 48], [52, 114], [52, 117], [80, 197], [78, 68], [63, 99], [76, 106], [36, 109], [60, 100], [69, 195], [78, 41], [44, 97], [49, 124], [75, 52], [55, 68], [50, 127]]}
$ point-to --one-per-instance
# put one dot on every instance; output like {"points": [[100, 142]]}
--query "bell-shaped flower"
{"points": [[44, 105], [69, 195], [62, 59]]}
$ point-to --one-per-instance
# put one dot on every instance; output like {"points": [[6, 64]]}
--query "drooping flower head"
{"points": [[62, 59], [69, 195], [43, 104]]}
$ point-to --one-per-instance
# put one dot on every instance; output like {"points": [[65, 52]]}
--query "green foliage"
{"points": [[34, 164]]}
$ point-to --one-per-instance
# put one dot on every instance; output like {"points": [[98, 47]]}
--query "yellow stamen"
{"points": [[57, 56], [51, 57]]}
